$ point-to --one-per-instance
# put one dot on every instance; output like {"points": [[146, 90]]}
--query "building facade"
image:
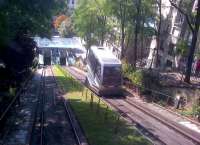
{"points": [[72, 4], [174, 27]]}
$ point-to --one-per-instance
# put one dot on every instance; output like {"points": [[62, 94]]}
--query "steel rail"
{"points": [[66, 106], [114, 108], [176, 128], [164, 121], [126, 116], [156, 92], [42, 112], [37, 107]]}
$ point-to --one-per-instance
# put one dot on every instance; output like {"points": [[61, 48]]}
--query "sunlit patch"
{"points": [[190, 125]]}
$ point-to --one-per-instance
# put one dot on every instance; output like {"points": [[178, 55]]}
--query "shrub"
{"points": [[196, 110], [127, 69], [135, 76]]}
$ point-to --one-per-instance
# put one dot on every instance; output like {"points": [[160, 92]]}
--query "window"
{"points": [[98, 70], [159, 60], [179, 18], [168, 63], [171, 49], [92, 61], [161, 45], [112, 75]]}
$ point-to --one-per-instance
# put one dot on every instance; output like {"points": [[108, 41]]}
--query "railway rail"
{"points": [[182, 130], [37, 126], [69, 115], [169, 132], [49, 119], [144, 132]]}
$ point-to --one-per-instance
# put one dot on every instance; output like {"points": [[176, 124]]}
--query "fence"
{"points": [[165, 100]]}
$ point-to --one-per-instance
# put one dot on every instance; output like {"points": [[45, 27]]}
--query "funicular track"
{"points": [[37, 127], [164, 130], [53, 123], [69, 115]]}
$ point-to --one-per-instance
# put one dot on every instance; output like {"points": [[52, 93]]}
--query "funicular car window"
{"points": [[112, 75], [98, 70], [92, 61]]}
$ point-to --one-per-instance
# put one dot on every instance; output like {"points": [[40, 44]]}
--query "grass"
{"points": [[186, 112], [100, 123]]}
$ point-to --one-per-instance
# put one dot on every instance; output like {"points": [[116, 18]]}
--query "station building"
{"points": [[59, 50]]}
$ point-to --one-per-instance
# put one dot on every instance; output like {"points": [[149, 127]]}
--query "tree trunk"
{"points": [[193, 45], [142, 39], [129, 36], [137, 27], [191, 57], [103, 31], [158, 32], [122, 40], [123, 19]]}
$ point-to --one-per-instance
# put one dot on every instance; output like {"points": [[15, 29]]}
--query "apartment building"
{"points": [[173, 28], [72, 4]]}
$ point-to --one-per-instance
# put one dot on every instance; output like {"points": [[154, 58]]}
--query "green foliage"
{"points": [[90, 21], [196, 109], [66, 29], [132, 74], [19, 21], [100, 20], [182, 48], [136, 77], [70, 85], [127, 69], [27, 17]]}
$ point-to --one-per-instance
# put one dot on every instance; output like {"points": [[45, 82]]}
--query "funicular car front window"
{"points": [[110, 71], [112, 75]]}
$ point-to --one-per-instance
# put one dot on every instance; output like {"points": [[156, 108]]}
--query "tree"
{"points": [[193, 24], [137, 28], [159, 3], [182, 48], [90, 21], [63, 24], [140, 20], [120, 9], [181, 52], [118, 22], [31, 17], [20, 21], [57, 22], [158, 25]]}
